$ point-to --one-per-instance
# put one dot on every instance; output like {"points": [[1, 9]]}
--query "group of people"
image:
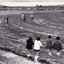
{"points": [[24, 17], [34, 45], [56, 45], [50, 45]]}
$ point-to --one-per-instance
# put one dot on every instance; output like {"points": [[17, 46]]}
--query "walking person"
{"points": [[7, 20], [23, 17], [29, 46], [31, 17], [37, 45], [57, 45], [49, 45]]}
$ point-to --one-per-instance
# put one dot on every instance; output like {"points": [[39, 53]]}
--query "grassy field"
{"points": [[13, 35]]}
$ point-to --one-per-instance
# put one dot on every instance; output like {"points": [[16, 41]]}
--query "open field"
{"points": [[13, 35]]}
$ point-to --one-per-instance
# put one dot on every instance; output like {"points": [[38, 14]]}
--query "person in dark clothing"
{"points": [[57, 45], [7, 20], [49, 44], [29, 45], [24, 18]]}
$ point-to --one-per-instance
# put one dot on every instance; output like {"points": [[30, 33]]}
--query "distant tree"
{"points": [[62, 11], [49, 9], [4, 7], [40, 6], [36, 5], [61, 7]]}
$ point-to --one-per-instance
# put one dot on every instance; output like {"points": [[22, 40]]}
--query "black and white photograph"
{"points": [[31, 32]]}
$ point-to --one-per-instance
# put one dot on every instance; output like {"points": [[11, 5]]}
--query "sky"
{"points": [[30, 3], [33, 0]]}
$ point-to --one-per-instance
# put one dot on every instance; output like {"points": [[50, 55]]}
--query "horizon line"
{"points": [[31, 3]]}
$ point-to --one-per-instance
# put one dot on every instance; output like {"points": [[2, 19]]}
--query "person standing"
{"points": [[7, 20], [37, 45], [31, 17], [29, 46], [49, 45], [57, 45], [23, 17]]}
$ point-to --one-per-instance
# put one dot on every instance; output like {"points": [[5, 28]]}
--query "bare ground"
{"points": [[10, 58]]}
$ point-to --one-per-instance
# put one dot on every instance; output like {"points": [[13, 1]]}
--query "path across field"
{"points": [[11, 58]]}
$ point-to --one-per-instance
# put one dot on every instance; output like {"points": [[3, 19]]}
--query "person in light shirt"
{"points": [[31, 17], [23, 17], [37, 45]]}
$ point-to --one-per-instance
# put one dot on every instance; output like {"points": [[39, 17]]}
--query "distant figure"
{"points": [[31, 17], [23, 17], [57, 45], [7, 20], [49, 44], [37, 45], [29, 46]]}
